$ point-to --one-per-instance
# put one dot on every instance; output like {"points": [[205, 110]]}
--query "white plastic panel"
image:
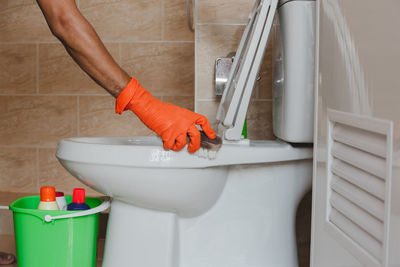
{"points": [[235, 100], [358, 171], [360, 75]]}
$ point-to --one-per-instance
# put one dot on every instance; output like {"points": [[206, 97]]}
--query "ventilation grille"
{"points": [[359, 166]]}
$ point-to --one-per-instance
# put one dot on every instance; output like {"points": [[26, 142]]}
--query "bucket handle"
{"points": [[102, 207]]}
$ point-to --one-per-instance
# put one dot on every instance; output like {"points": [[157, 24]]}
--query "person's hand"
{"points": [[170, 122]]}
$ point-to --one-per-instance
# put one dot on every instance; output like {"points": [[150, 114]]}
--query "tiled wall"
{"points": [[219, 27], [44, 96]]}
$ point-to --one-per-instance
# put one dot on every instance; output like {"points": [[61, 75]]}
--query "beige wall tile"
{"points": [[37, 120], [59, 74], [52, 173], [259, 120], [124, 20], [208, 109], [175, 21], [233, 11], [6, 223], [181, 101], [18, 169], [97, 118], [18, 69], [213, 41], [22, 20], [162, 68], [7, 244]]}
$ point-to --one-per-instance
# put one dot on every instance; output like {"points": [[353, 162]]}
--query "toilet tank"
{"points": [[293, 71]]}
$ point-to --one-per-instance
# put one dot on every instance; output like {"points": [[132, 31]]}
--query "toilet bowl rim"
{"points": [[148, 152]]}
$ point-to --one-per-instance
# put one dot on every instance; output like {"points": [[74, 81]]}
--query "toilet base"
{"points": [[140, 237], [251, 225]]}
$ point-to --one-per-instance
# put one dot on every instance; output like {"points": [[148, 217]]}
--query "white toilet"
{"points": [[173, 209]]}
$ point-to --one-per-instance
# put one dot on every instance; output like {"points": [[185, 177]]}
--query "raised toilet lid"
{"points": [[236, 97]]}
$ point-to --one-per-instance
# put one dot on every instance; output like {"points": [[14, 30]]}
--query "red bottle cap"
{"points": [[47, 194], [59, 194], [79, 195]]}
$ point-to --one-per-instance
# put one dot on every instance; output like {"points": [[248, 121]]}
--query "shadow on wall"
{"points": [[303, 230]]}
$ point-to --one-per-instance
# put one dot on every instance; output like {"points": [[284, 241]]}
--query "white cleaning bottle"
{"points": [[62, 203], [48, 198]]}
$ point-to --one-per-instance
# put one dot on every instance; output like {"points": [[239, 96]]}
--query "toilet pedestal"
{"points": [[140, 237], [252, 224]]}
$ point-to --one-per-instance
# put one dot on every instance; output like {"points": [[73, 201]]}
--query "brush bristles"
{"points": [[210, 144], [208, 147]]}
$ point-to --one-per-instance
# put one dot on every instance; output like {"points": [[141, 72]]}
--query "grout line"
{"points": [[260, 100], [120, 54], [41, 94], [207, 99], [27, 146], [164, 95], [29, 42], [106, 94], [162, 19], [37, 169], [195, 13], [221, 23], [195, 63], [217, 100], [37, 68], [149, 41], [77, 116], [183, 95], [104, 41]]}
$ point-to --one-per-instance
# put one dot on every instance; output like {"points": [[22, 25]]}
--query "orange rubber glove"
{"points": [[170, 122]]}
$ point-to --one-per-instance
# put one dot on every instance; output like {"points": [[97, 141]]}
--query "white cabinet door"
{"points": [[356, 183]]}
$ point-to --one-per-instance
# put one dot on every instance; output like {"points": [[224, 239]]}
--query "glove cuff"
{"points": [[126, 95]]}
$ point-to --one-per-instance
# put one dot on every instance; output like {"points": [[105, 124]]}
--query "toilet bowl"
{"points": [[174, 209]]}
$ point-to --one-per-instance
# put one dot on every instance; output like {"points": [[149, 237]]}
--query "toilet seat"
{"points": [[236, 97], [148, 152]]}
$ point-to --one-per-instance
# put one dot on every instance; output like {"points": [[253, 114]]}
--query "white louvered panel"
{"points": [[359, 158], [360, 178], [359, 197], [373, 143], [368, 223], [356, 233]]}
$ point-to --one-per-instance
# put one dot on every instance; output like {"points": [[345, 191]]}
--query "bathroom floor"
{"points": [[7, 242]]}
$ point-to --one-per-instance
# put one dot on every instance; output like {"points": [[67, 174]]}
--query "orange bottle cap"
{"points": [[47, 193]]}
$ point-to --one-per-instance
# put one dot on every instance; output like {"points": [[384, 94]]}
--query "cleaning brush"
{"points": [[209, 147]]}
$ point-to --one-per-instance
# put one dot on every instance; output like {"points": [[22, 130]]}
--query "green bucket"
{"points": [[56, 238]]}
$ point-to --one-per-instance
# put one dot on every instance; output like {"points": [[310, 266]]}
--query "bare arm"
{"points": [[83, 44], [170, 122]]}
